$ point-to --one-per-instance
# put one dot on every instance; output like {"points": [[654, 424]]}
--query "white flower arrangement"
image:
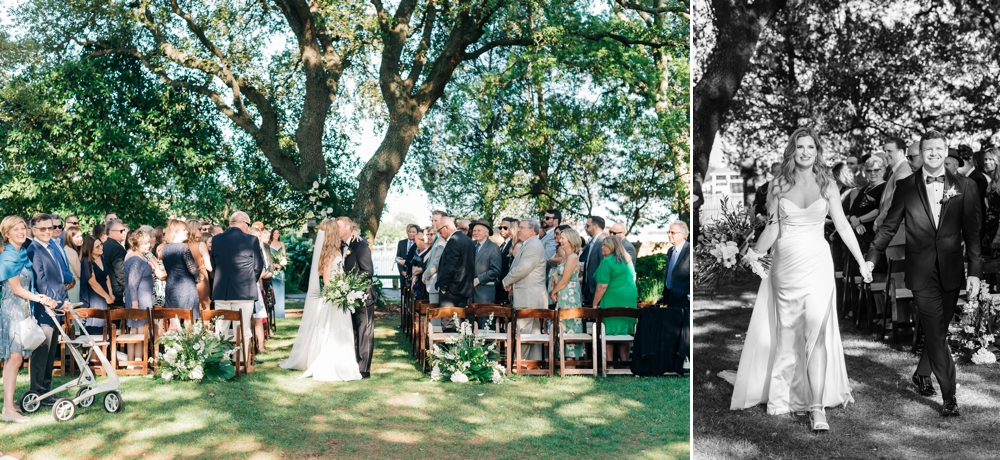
{"points": [[348, 291], [725, 253], [194, 353], [466, 358], [975, 336]]}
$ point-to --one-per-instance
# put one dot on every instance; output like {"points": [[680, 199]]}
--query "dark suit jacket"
{"points": [[402, 251], [48, 279], [681, 277], [487, 270], [928, 247], [630, 250], [591, 260], [982, 184], [114, 262], [505, 260], [359, 260], [238, 262], [457, 267]]}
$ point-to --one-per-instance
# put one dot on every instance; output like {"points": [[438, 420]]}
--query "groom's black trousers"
{"points": [[936, 308], [363, 320]]}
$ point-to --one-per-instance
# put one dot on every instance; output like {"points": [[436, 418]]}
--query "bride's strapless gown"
{"points": [[324, 346], [793, 349]]}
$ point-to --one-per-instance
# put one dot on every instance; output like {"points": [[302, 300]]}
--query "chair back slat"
{"points": [[445, 312], [170, 313], [491, 309], [534, 313], [128, 313], [582, 312], [225, 315], [423, 306]]}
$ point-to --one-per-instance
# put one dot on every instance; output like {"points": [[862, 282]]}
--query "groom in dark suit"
{"points": [[358, 259], [942, 210]]}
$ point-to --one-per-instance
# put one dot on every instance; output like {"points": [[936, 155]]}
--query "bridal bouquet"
{"points": [[347, 290], [723, 253], [977, 328], [196, 353], [466, 358]]}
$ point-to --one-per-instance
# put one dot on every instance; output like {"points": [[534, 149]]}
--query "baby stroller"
{"points": [[65, 408]]}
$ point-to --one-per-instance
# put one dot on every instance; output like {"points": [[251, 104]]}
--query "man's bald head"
{"points": [[240, 220], [618, 229], [447, 227]]}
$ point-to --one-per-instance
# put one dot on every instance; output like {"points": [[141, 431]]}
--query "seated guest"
{"points": [[677, 273], [95, 287], [616, 288], [566, 287], [138, 284], [182, 270]]}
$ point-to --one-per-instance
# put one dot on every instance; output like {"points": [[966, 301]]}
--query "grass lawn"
{"points": [[398, 413], [889, 420]]}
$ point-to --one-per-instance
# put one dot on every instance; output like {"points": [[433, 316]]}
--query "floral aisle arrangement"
{"points": [[976, 334], [347, 291], [466, 358], [196, 353], [723, 253]]}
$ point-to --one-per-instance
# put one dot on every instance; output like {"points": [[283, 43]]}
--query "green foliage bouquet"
{"points": [[723, 245], [346, 291], [466, 358], [196, 353], [976, 334]]}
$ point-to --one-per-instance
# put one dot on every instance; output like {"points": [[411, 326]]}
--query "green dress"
{"points": [[569, 297], [621, 292]]}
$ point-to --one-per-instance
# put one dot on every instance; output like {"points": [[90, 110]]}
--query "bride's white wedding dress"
{"points": [[324, 346], [793, 347]]}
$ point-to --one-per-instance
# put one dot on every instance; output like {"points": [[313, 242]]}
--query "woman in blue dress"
{"points": [[17, 284], [182, 270], [95, 287], [138, 285]]}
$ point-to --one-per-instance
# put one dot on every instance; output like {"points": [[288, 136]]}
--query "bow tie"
{"points": [[931, 180]]}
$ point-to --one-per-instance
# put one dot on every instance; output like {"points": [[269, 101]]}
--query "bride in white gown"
{"points": [[324, 346]]}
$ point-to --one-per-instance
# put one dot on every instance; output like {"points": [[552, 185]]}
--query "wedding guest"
{"points": [[842, 175], [913, 157], [46, 263], [895, 151], [157, 239], [508, 231], [403, 248], [199, 251], [551, 221], [138, 284], [431, 264], [566, 291], [856, 165], [861, 205], [592, 257], [263, 286], [16, 285], [416, 264], [217, 230], [953, 163], [463, 226], [487, 264], [74, 241], [114, 260], [677, 272], [618, 229], [182, 269], [57, 229], [109, 217], [72, 221], [970, 169], [760, 196], [991, 227], [456, 270], [100, 232], [527, 281], [279, 255], [616, 288], [238, 264], [95, 288]]}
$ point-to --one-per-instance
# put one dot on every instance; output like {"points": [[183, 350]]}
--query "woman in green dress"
{"points": [[566, 286], [616, 288]]}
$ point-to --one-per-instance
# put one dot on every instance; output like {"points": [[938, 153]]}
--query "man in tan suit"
{"points": [[526, 281]]}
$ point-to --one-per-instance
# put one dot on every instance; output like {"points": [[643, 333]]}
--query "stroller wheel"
{"points": [[30, 403], [89, 401], [63, 409], [113, 402]]}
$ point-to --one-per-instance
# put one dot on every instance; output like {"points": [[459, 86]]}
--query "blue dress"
{"points": [[138, 286], [181, 290], [278, 284], [14, 309], [89, 297]]}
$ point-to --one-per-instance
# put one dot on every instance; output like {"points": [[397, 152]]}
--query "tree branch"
{"points": [[623, 39], [496, 44], [420, 57], [682, 10]]}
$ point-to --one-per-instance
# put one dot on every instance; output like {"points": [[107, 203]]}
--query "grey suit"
{"points": [[591, 260], [487, 271], [630, 249], [431, 268], [551, 246], [527, 275]]}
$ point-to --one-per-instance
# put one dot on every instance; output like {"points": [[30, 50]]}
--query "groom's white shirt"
{"points": [[935, 192]]}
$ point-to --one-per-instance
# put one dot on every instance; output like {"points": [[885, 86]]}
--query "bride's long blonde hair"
{"points": [[331, 244]]}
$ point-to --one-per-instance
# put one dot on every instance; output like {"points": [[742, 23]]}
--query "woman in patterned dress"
{"points": [[566, 287]]}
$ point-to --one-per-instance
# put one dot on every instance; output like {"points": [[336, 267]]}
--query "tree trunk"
{"points": [[738, 27]]}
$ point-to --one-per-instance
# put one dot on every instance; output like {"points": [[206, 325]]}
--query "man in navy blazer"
{"points": [[47, 264], [677, 272], [238, 263]]}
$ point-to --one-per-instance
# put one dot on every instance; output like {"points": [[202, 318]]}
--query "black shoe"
{"points": [[950, 408], [50, 401], [257, 361], [924, 385], [366, 375]]}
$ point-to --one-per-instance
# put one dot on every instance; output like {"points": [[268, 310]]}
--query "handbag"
{"points": [[31, 333]]}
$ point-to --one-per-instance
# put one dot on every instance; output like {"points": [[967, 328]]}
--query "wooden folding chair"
{"points": [[93, 313], [500, 331], [164, 315], [420, 327], [434, 333], [522, 367], [120, 338], [590, 317], [617, 312], [239, 357]]}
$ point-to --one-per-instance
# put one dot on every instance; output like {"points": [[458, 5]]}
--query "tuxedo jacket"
{"points": [[929, 245], [114, 263], [238, 262], [48, 278], [680, 282], [359, 260], [487, 271], [457, 268]]}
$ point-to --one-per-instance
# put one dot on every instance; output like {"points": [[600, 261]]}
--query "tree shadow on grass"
{"points": [[888, 419]]}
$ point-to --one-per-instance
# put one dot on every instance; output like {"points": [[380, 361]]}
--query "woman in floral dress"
{"points": [[566, 287]]}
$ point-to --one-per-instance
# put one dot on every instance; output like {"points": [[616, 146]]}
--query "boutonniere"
{"points": [[347, 252], [949, 194]]}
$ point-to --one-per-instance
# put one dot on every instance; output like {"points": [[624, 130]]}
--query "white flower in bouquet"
{"points": [[170, 354], [167, 375], [197, 373], [436, 373], [726, 253], [969, 330], [459, 377], [984, 356], [497, 375]]}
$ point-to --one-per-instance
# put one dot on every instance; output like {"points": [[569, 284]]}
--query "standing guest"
{"points": [[95, 288], [434, 257], [991, 228], [416, 264], [182, 270], [760, 196], [200, 252], [17, 286], [592, 257], [861, 205], [551, 221], [157, 239], [463, 226], [45, 257], [278, 253], [526, 281], [618, 229], [109, 217], [677, 272], [72, 221], [57, 229], [138, 284], [114, 259], [487, 262], [566, 290], [953, 162], [844, 178], [508, 231], [895, 154], [238, 264], [403, 248], [204, 227], [456, 270], [971, 170], [913, 157], [217, 230], [100, 232], [72, 246], [560, 254], [856, 164], [616, 288], [263, 290]]}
